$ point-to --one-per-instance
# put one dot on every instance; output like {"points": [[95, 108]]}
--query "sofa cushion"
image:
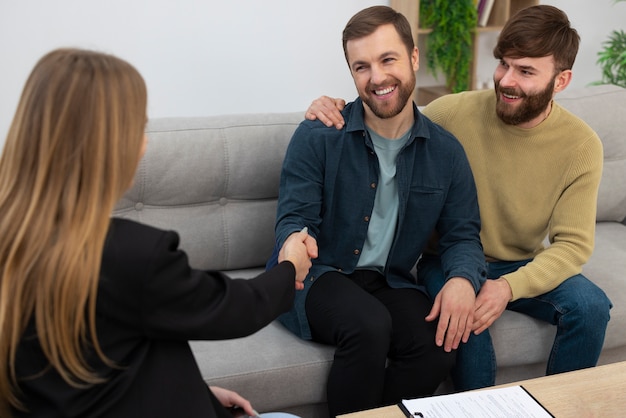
{"points": [[215, 181], [267, 366], [603, 107], [607, 269]]}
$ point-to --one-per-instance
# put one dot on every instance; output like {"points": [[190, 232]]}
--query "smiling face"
{"points": [[525, 87], [383, 72]]}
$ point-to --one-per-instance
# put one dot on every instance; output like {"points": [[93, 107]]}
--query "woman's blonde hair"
{"points": [[71, 152]]}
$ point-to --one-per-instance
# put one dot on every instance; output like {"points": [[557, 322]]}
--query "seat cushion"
{"points": [[273, 368]]}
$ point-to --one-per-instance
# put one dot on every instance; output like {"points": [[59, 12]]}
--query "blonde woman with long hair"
{"points": [[96, 312]]}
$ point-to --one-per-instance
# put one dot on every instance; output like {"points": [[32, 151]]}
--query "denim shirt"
{"points": [[328, 184]]}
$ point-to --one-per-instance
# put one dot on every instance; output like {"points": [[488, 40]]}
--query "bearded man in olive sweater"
{"points": [[537, 169]]}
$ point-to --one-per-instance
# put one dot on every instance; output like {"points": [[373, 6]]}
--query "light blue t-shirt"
{"points": [[384, 219]]}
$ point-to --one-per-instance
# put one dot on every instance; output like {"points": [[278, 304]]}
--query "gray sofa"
{"points": [[215, 181]]}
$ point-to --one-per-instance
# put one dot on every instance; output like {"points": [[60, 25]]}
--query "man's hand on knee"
{"points": [[491, 301], [454, 305]]}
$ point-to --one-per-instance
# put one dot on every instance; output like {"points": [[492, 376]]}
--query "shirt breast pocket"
{"points": [[426, 199]]}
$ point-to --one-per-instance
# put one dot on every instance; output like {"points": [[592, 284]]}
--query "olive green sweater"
{"points": [[531, 183]]}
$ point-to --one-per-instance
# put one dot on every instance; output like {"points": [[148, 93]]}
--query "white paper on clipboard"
{"points": [[513, 401]]}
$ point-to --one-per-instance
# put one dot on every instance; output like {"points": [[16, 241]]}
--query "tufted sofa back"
{"points": [[604, 109], [215, 181]]}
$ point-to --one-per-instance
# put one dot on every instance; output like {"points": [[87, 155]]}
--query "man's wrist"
{"points": [[505, 284]]}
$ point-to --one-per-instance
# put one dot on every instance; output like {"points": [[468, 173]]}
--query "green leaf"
{"points": [[449, 45], [612, 58]]}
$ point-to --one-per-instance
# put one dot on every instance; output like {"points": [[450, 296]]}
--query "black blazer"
{"points": [[150, 303]]}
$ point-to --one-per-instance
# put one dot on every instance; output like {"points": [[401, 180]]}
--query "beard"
{"points": [[530, 107], [387, 109]]}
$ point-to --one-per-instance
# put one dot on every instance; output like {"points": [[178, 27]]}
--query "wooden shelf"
{"points": [[482, 29], [500, 13], [427, 94]]}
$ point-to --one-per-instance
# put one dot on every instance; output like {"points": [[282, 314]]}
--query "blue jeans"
{"points": [[578, 308]]}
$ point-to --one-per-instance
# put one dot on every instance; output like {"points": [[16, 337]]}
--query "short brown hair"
{"points": [[366, 22], [539, 31]]}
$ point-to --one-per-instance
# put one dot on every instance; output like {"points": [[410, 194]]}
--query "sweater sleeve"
{"points": [[571, 231]]}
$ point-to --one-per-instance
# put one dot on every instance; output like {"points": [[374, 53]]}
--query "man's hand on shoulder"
{"points": [[492, 299], [454, 305], [327, 110]]}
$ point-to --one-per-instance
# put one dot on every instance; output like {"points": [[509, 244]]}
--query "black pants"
{"points": [[386, 351]]}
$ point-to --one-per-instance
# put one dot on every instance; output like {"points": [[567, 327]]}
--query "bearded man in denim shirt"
{"points": [[371, 196]]}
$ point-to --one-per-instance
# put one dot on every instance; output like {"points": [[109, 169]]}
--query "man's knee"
{"points": [[365, 330], [596, 309], [589, 304], [447, 360]]}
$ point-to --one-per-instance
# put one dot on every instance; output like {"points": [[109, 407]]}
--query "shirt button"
{"points": [[366, 219], [373, 185], [356, 252]]}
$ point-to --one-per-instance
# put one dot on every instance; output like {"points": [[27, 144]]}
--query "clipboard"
{"points": [[486, 403]]}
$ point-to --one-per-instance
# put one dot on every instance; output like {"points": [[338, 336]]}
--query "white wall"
{"points": [[594, 21], [198, 57], [205, 57]]}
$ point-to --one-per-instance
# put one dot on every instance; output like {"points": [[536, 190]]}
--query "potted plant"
{"points": [[612, 58], [449, 45]]}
